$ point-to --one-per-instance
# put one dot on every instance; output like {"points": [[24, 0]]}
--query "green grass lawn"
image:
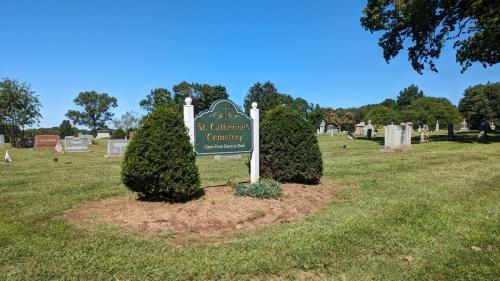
{"points": [[438, 203]]}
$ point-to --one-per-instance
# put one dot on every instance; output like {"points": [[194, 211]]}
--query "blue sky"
{"points": [[313, 49]]}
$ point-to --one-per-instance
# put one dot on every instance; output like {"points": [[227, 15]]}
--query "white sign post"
{"points": [[254, 162], [189, 118]]}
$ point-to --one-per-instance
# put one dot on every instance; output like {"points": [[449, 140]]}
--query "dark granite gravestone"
{"points": [[451, 135], [369, 134], [26, 142]]}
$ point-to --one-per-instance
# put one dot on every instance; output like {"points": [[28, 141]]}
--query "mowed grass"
{"points": [[431, 213]]}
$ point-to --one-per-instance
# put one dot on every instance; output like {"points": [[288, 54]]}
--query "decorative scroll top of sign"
{"points": [[222, 129]]}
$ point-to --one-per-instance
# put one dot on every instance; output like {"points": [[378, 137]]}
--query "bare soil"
{"points": [[214, 215]]}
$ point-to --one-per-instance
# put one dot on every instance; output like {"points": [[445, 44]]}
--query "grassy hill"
{"points": [[431, 213]]}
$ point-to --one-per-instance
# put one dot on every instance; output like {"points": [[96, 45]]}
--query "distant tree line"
{"points": [[20, 108]]}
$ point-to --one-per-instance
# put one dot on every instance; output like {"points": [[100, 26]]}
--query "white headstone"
{"points": [[103, 135], [117, 147], [463, 126], [367, 127], [72, 144], [322, 127], [437, 126], [392, 137]]}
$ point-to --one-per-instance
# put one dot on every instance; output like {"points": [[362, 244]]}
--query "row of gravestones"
{"points": [[116, 147]]}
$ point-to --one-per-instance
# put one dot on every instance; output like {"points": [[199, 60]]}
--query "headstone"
{"points": [[419, 129], [392, 137], [360, 128], [75, 144], [369, 126], [437, 126], [406, 131], [46, 141], [117, 147], [25, 142], [483, 130], [88, 139], [2, 141], [451, 135], [397, 136], [424, 137], [492, 126], [103, 134], [329, 129], [464, 126], [322, 127]]}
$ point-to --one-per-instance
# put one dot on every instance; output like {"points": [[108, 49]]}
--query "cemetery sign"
{"points": [[222, 129]]}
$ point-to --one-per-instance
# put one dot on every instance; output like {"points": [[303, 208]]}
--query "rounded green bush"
{"points": [[159, 162], [289, 150], [118, 134], [265, 188]]}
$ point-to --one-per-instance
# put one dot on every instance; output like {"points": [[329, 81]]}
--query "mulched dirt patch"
{"points": [[218, 212]]}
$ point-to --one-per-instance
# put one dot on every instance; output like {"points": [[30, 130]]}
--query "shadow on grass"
{"points": [[172, 199]]}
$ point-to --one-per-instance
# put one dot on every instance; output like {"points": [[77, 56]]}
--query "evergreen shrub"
{"points": [[289, 150], [159, 162]]}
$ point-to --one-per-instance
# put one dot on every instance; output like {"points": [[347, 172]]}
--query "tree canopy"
{"points": [[428, 110], [155, 98], [383, 115], [408, 95], [481, 102], [96, 110], [128, 121], [472, 26], [266, 96], [19, 106]]}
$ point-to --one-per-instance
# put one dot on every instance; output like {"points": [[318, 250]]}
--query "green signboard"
{"points": [[222, 129]]}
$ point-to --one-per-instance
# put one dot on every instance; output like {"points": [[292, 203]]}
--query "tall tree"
{"points": [[96, 110], [65, 129], [315, 115], [382, 115], [266, 95], [181, 92], [481, 102], [19, 107], [156, 97], [204, 95], [128, 121], [342, 119], [472, 26], [428, 110], [408, 95]]}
